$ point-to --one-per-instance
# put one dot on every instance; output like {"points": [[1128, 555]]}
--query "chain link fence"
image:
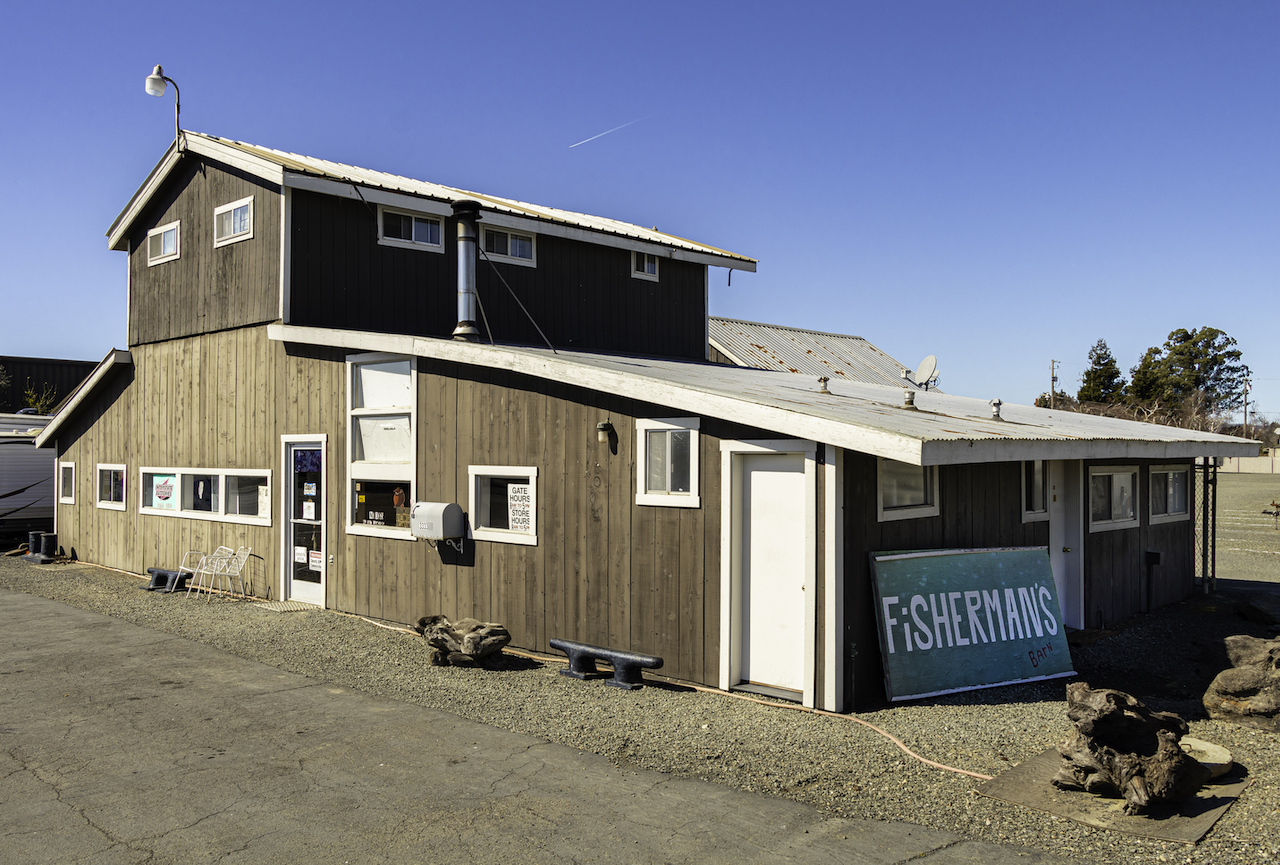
{"points": [[1206, 510]]}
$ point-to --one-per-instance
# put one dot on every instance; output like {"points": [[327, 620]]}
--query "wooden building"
{"points": [[291, 385]]}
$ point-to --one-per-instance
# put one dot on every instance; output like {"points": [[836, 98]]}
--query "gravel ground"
{"points": [[841, 768]]}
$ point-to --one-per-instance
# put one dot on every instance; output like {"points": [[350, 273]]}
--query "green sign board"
{"points": [[958, 620]]}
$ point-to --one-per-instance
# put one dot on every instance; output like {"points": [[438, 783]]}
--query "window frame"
{"points": [[232, 238], [508, 259], [476, 474], [1030, 515], [1179, 516], [1114, 524], [121, 505], [176, 226], [380, 471], [931, 508], [219, 516], [402, 243], [637, 273], [63, 467], [691, 499]]}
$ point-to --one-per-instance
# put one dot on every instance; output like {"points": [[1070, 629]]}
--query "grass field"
{"points": [[1248, 541]]}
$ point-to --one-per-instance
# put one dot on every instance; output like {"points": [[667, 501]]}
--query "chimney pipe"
{"points": [[467, 213]]}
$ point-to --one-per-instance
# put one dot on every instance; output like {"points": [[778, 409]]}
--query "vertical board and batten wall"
{"points": [[581, 295], [205, 289]]}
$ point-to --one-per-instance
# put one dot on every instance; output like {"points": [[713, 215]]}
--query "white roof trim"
{"points": [[859, 417], [115, 356]]}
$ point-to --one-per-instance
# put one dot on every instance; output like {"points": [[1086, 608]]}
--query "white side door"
{"points": [[304, 543]]}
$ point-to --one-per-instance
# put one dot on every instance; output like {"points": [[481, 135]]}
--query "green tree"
{"points": [[1102, 380], [1191, 362]]}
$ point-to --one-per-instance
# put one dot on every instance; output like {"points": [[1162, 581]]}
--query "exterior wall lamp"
{"points": [[603, 429], [155, 85]]}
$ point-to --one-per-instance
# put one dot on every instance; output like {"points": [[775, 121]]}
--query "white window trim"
{"points": [[232, 238], [1182, 516], [691, 499], [97, 486], [1113, 525], [177, 243], [636, 256], [67, 500], [915, 512], [410, 244], [1029, 516], [209, 516], [505, 536], [508, 259], [362, 470]]}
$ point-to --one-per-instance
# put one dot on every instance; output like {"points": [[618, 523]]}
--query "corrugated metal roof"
{"points": [[870, 418], [396, 183], [792, 349]]}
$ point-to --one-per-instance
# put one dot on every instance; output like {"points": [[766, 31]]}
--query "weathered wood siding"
{"points": [[205, 289], [980, 506], [582, 295]]}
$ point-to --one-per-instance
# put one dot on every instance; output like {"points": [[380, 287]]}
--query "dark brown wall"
{"points": [[980, 506], [61, 376], [205, 289], [580, 294]]}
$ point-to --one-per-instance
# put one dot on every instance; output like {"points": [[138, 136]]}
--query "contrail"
{"points": [[607, 131]]}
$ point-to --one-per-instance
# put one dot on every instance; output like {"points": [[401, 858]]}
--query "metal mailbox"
{"points": [[437, 521]]}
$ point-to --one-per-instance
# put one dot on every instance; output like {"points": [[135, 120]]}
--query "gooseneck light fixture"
{"points": [[156, 82]]}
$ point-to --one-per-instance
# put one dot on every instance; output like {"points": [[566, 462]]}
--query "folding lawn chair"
{"points": [[208, 568]]}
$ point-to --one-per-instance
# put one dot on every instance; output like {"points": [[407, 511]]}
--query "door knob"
{"points": [[1066, 549]]}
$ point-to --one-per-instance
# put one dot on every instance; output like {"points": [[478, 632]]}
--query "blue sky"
{"points": [[996, 183]]}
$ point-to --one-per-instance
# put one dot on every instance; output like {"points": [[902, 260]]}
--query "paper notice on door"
{"points": [[308, 489], [317, 560], [308, 510], [300, 555]]}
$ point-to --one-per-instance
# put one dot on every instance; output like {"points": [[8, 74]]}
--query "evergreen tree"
{"points": [[1203, 361], [1102, 380]]}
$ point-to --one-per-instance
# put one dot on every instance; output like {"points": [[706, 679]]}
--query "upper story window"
{"points": [[644, 265], [164, 243], [512, 247], [905, 492], [667, 462], [1035, 491], [233, 222], [382, 435], [409, 230], [1113, 497], [1169, 499]]}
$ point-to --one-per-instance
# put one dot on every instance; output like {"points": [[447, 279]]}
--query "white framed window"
{"points": [[1035, 491], [1170, 496], [667, 462], [644, 265], [1113, 498], [111, 486], [513, 247], [67, 483], [233, 222], [904, 491], [219, 495], [164, 243], [410, 230], [382, 444], [503, 504]]}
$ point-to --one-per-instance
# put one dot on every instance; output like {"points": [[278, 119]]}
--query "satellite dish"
{"points": [[925, 370]]}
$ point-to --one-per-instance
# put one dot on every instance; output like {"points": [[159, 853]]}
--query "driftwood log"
{"points": [[1249, 692], [1119, 747], [464, 643]]}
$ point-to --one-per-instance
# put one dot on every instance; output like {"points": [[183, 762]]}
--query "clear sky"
{"points": [[996, 183]]}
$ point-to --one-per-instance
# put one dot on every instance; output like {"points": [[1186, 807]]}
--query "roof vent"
{"points": [[822, 384], [909, 399], [995, 408]]}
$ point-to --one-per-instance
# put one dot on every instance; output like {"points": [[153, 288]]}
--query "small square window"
{"points": [[233, 222], [1169, 494], [503, 504], [111, 487], [409, 230], [906, 492], [512, 247], [67, 483], [1112, 498], [667, 462], [164, 243], [1035, 491], [644, 265]]}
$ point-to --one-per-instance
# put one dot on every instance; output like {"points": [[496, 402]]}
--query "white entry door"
{"points": [[304, 523], [773, 570], [1066, 538]]}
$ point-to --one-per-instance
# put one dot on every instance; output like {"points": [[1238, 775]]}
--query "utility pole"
{"points": [[1246, 409], [1053, 380]]}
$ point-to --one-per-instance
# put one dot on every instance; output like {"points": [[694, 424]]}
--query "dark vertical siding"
{"points": [[61, 376], [205, 289]]}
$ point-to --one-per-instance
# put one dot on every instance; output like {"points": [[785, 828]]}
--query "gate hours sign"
{"points": [[959, 620]]}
